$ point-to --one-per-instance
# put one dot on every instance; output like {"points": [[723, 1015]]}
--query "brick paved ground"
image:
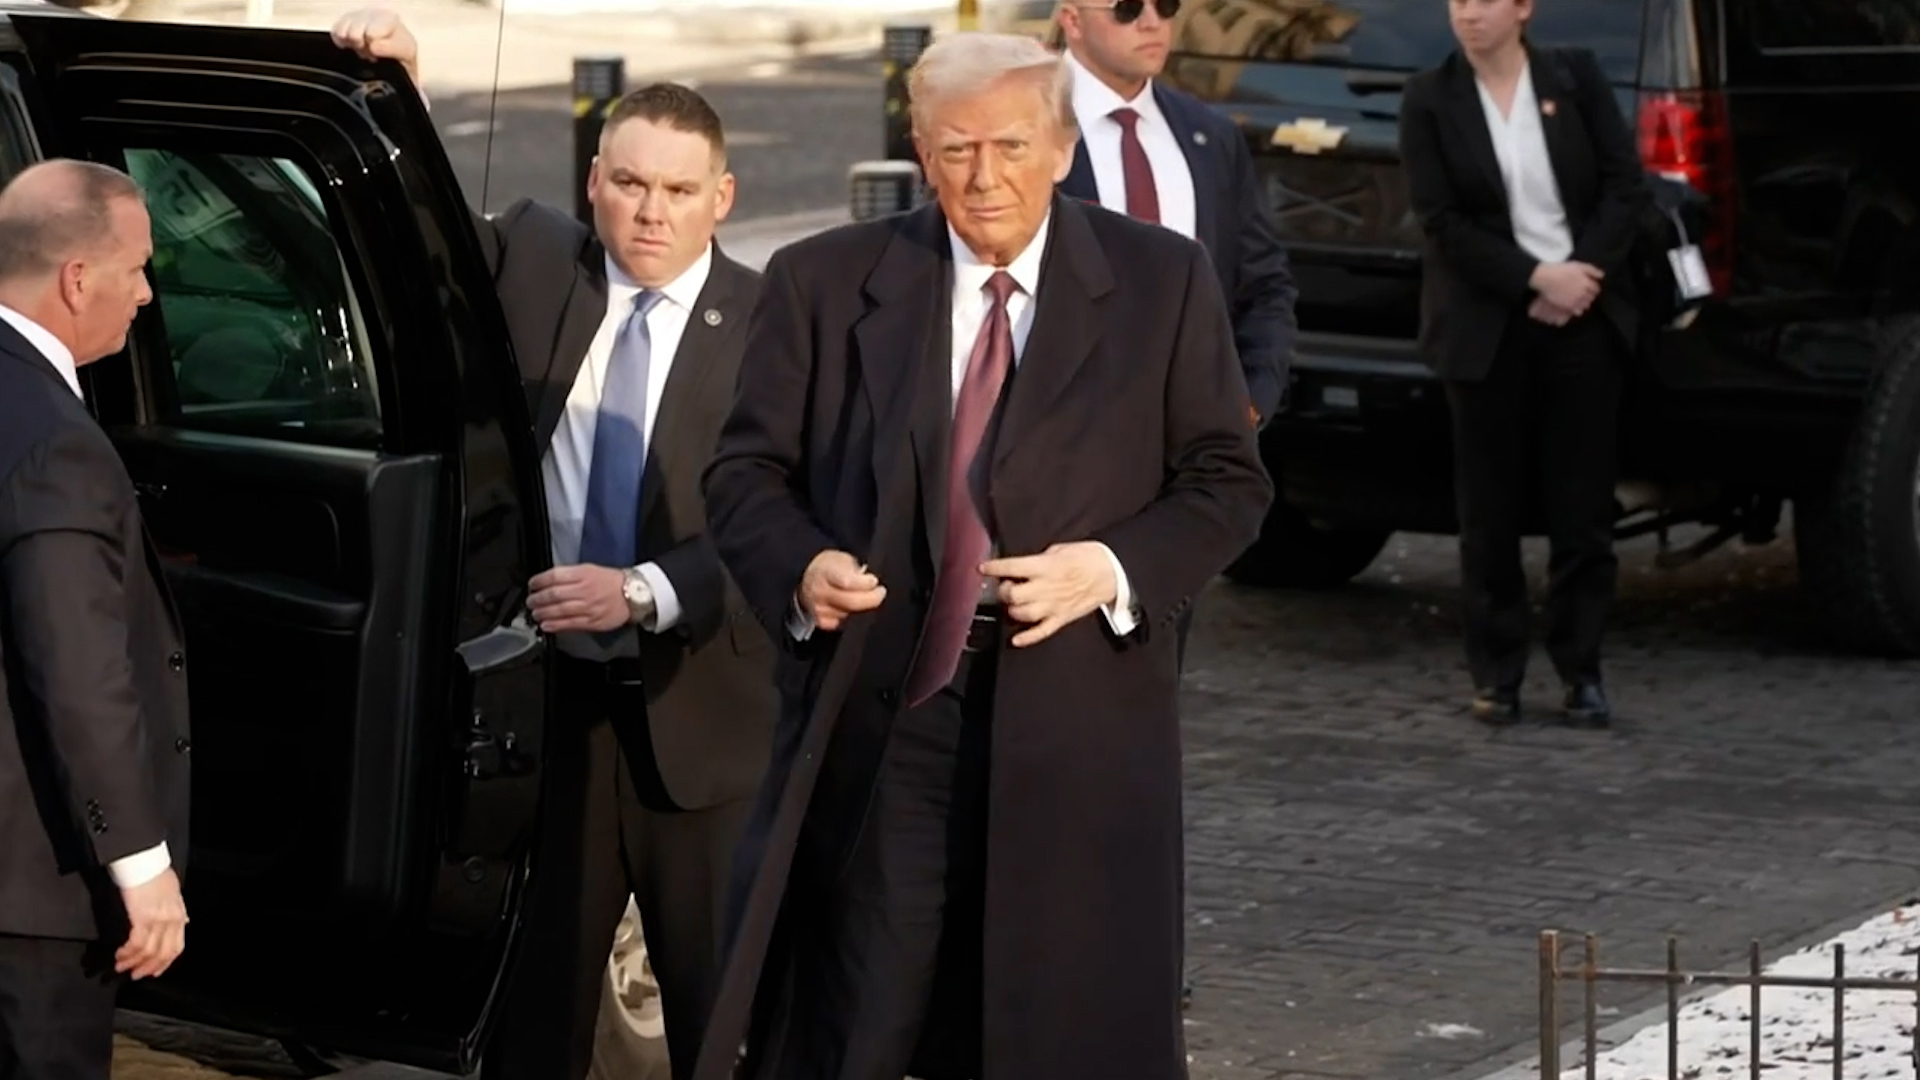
{"points": [[1366, 861]]}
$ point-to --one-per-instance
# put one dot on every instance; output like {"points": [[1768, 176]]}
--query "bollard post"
{"points": [[880, 188], [901, 49], [598, 82]]}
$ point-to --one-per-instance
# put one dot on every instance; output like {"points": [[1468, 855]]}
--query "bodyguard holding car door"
{"points": [[629, 338], [1529, 189], [93, 758]]}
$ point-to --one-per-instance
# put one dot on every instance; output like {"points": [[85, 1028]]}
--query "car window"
{"points": [[16, 137], [1406, 35], [263, 333], [1803, 25]]}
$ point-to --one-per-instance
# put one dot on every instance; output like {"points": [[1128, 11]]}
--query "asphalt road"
{"points": [[793, 129]]}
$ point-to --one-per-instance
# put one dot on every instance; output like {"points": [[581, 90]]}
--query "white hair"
{"points": [[969, 62]]}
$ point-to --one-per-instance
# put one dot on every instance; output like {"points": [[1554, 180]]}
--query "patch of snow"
{"points": [[1796, 1024]]}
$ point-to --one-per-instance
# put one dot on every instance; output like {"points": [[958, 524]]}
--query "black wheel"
{"points": [[1295, 553], [1859, 543]]}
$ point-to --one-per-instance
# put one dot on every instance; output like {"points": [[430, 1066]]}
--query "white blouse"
{"points": [[1533, 194]]}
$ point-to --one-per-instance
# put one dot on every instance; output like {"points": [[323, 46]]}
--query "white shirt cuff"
{"points": [[1123, 617], [141, 867], [666, 602], [800, 622]]}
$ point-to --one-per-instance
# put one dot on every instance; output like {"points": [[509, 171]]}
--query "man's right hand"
{"points": [[1570, 286], [158, 917], [835, 586], [378, 34]]}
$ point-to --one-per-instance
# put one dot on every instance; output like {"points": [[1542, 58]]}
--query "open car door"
{"points": [[334, 453]]}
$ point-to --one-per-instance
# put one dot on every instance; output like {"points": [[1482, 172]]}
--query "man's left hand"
{"points": [[1059, 586], [1546, 311], [569, 598]]}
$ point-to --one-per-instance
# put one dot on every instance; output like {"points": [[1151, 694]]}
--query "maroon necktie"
{"points": [[956, 587], [1143, 200]]}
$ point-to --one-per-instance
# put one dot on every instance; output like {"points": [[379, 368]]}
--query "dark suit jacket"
{"points": [[1124, 421], [708, 680], [1476, 276], [93, 754], [1234, 223]]}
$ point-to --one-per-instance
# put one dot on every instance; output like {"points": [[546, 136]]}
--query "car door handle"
{"points": [[498, 648]]}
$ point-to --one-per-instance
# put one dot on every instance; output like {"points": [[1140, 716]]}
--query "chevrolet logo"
{"points": [[1308, 135]]}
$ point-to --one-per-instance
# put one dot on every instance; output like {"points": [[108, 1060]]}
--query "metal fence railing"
{"points": [[1554, 971]]}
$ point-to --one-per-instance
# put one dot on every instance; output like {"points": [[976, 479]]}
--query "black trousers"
{"points": [[1551, 400], [885, 978], [56, 1009], [598, 841]]}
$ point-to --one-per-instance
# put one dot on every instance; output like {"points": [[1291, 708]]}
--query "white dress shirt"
{"points": [[971, 304], [569, 459], [1093, 103], [141, 866], [1533, 193]]}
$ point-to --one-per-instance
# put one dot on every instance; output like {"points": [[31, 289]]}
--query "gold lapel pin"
{"points": [[712, 316], [1547, 107]]}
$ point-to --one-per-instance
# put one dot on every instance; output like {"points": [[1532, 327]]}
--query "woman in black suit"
{"points": [[1528, 188]]}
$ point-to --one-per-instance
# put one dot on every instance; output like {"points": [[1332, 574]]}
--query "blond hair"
{"points": [[968, 62]]}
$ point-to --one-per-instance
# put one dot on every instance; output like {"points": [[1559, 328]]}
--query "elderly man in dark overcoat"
{"points": [[982, 457]]}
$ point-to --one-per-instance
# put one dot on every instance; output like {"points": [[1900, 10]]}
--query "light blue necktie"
{"points": [[609, 534]]}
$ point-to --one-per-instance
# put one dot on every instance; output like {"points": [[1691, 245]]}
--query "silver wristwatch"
{"points": [[639, 596]]}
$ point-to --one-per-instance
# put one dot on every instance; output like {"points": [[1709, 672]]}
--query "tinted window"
{"points": [[263, 334], [1834, 24], [16, 138], [1402, 34]]}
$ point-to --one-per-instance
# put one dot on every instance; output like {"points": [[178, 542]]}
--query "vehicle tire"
{"points": [[1859, 544], [1295, 553], [630, 1035]]}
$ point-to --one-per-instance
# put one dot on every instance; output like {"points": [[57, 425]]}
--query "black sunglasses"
{"points": [[1126, 11]]}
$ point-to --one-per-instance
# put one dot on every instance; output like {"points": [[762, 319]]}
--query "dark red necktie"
{"points": [[1143, 199], [956, 586]]}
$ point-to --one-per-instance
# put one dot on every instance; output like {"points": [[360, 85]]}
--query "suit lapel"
{"points": [[1202, 165], [716, 317], [1470, 122], [1554, 98], [1074, 275], [907, 322], [580, 318], [1079, 183]]}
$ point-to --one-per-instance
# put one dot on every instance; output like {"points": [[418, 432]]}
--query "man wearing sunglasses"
{"points": [[1162, 155]]}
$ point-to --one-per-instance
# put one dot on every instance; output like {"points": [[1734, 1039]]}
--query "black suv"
{"points": [[1797, 382], [334, 454]]}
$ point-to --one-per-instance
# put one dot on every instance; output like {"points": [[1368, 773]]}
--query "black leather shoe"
{"points": [[1586, 706], [1496, 707]]}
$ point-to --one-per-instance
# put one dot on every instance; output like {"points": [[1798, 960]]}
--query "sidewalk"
{"points": [[463, 38], [753, 242]]}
